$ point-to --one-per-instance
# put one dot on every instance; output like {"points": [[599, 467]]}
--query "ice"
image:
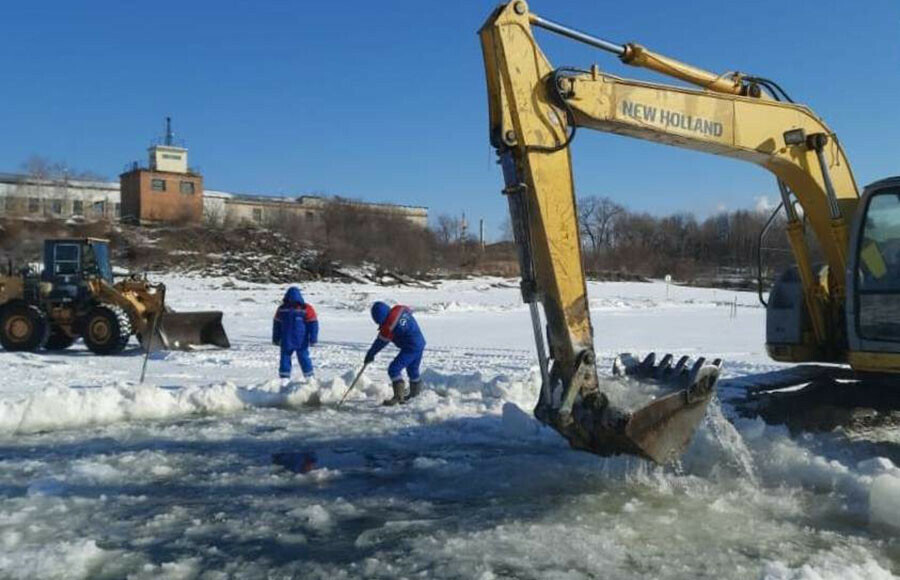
{"points": [[76, 559], [101, 477], [884, 501], [518, 423], [315, 518], [187, 569]]}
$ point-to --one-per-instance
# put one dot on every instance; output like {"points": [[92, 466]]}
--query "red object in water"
{"points": [[296, 461]]}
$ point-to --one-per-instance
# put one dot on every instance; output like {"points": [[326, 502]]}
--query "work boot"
{"points": [[399, 389], [415, 388]]}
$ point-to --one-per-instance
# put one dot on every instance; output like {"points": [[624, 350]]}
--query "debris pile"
{"points": [[263, 256]]}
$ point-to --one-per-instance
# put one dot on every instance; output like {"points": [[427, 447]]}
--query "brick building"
{"points": [[166, 191]]}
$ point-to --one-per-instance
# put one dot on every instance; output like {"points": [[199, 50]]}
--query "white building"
{"points": [[23, 196], [307, 210]]}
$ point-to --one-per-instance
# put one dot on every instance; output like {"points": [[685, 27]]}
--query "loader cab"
{"points": [[70, 263], [873, 279]]}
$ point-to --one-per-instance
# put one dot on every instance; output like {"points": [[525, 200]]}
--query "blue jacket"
{"points": [[396, 325], [295, 326]]}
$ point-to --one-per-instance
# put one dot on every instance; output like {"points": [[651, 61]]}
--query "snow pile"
{"points": [[884, 500], [55, 408], [844, 564]]}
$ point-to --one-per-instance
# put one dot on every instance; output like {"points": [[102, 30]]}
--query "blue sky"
{"points": [[385, 101]]}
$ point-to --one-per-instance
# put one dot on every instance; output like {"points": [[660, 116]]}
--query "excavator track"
{"points": [[818, 398]]}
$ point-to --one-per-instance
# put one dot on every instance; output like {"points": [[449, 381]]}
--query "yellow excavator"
{"points": [[845, 311]]}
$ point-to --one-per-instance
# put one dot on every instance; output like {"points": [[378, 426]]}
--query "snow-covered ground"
{"points": [[103, 478]]}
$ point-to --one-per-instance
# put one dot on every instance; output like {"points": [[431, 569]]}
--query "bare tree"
{"points": [[448, 229], [353, 233], [586, 208], [44, 169], [41, 167], [213, 215]]}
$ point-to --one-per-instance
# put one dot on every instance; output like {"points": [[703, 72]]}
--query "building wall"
{"points": [[162, 197], [305, 211], [418, 215], [168, 158], [22, 196], [265, 212], [130, 187]]}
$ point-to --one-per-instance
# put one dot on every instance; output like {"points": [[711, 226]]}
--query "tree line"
{"points": [[616, 238]]}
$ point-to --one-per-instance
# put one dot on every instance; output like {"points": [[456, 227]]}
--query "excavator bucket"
{"points": [[646, 409], [185, 330]]}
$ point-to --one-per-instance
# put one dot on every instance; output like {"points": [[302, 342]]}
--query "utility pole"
{"points": [[481, 233]]}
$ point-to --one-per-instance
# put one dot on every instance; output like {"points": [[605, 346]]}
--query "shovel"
{"points": [[353, 384]]}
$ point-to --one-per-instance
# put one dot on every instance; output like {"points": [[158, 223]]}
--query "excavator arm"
{"points": [[535, 110]]}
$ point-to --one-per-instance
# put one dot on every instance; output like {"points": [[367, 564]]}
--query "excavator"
{"points": [[844, 311]]}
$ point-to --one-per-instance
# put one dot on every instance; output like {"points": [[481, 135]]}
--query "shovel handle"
{"points": [[156, 318], [353, 384]]}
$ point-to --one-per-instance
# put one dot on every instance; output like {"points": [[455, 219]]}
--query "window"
{"points": [[118, 209], [879, 268], [187, 187], [10, 203], [158, 184], [310, 216], [257, 214], [34, 205], [65, 259], [56, 206], [99, 208], [78, 207]]}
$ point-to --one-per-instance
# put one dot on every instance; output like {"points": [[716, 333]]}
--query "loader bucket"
{"points": [[646, 409], [184, 330]]}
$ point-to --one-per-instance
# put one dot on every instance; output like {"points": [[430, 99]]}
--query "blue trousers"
{"points": [[284, 369], [409, 360]]}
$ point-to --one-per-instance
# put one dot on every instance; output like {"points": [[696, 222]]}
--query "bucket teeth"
{"points": [[682, 375], [664, 367]]}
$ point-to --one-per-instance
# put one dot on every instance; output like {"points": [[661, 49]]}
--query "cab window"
{"points": [[66, 259], [878, 268]]}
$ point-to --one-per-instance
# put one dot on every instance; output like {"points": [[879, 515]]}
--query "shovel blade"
{"points": [[184, 330]]}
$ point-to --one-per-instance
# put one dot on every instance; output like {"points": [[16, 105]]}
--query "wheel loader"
{"points": [[74, 296], [845, 311]]}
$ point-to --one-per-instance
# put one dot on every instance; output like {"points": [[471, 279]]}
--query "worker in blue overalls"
{"points": [[397, 324], [295, 328]]}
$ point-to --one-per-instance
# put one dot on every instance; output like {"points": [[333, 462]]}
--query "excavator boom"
{"points": [[535, 110]]}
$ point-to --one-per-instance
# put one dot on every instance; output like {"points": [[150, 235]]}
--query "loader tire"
{"points": [[58, 340], [106, 329], [22, 328]]}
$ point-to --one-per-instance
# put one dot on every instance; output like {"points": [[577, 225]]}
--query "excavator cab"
{"points": [[70, 263], [873, 279]]}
